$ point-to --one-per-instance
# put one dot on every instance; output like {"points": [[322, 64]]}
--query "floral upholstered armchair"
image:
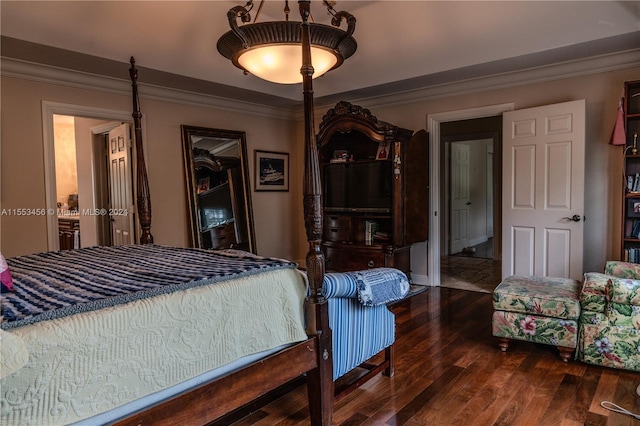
{"points": [[610, 317]]}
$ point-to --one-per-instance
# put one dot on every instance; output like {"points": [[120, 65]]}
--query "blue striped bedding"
{"points": [[56, 284]]}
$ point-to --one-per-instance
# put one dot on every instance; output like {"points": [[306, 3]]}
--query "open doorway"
{"points": [[470, 187], [89, 127], [93, 168], [470, 219], [437, 125]]}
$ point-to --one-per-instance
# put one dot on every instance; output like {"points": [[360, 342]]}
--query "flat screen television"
{"points": [[358, 187], [215, 207]]}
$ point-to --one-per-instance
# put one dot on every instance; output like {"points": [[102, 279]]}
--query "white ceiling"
{"points": [[397, 40]]}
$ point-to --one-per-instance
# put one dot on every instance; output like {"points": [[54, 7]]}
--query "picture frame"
{"points": [[633, 207], [383, 151], [203, 184], [340, 156], [271, 171]]}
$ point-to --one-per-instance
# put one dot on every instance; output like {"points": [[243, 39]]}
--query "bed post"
{"points": [[320, 379], [143, 200]]}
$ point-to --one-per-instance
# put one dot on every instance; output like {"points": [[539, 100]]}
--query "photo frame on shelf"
{"points": [[383, 151], [271, 171], [633, 207], [340, 156], [203, 184]]}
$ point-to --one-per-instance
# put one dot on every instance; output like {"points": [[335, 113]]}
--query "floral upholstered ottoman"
{"points": [[537, 309]]}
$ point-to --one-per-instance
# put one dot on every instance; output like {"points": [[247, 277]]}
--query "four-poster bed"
{"points": [[206, 399]]}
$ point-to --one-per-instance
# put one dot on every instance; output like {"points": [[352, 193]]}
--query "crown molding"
{"points": [[15, 68], [561, 70], [402, 93]]}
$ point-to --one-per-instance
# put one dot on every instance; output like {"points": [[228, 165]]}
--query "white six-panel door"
{"points": [[459, 197], [543, 190], [121, 194]]}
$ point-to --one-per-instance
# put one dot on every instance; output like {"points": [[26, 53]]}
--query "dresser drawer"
{"points": [[336, 221], [220, 237], [223, 230], [351, 257], [337, 228], [365, 259]]}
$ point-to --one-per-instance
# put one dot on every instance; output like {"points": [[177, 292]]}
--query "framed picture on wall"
{"points": [[271, 171]]}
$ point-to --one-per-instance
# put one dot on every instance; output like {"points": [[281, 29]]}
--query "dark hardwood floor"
{"points": [[450, 371]]}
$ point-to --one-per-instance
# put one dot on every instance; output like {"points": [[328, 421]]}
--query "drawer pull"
{"points": [[370, 264], [334, 229]]}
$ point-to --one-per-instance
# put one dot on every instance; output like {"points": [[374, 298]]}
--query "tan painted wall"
{"points": [[22, 172]]}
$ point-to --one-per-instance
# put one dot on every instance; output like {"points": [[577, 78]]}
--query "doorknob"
{"points": [[575, 218]]}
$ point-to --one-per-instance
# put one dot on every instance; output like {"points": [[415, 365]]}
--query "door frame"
{"points": [[433, 127], [49, 109]]}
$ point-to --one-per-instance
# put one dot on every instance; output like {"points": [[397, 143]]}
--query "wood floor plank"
{"points": [[513, 409], [487, 404], [449, 397], [585, 391], [606, 386], [408, 411], [562, 400]]}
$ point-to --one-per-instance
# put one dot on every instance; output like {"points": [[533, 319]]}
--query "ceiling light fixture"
{"points": [[272, 50]]}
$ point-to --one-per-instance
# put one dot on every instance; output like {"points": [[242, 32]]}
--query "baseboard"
{"points": [[478, 240], [420, 279]]}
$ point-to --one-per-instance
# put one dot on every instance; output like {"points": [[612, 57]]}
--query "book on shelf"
{"points": [[632, 255], [370, 228]]}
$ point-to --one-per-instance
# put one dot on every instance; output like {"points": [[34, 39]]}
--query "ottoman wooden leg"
{"points": [[503, 343], [565, 353]]}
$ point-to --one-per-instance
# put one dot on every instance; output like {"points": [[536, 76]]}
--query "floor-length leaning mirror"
{"points": [[218, 192]]}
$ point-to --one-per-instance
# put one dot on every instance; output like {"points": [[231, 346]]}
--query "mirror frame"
{"points": [[192, 201]]}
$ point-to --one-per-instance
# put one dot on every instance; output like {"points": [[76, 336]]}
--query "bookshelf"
{"points": [[631, 202]]}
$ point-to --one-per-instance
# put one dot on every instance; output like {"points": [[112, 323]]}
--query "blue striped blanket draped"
{"points": [[56, 284]]}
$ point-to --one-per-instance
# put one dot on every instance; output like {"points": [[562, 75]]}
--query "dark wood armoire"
{"points": [[375, 179]]}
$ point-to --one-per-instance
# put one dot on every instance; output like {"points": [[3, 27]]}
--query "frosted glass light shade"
{"points": [[245, 45], [281, 63]]}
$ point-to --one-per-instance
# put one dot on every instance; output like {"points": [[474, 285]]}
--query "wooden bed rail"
{"points": [[221, 396]]}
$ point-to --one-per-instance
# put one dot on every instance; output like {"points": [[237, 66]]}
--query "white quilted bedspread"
{"points": [[89, 363]]}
